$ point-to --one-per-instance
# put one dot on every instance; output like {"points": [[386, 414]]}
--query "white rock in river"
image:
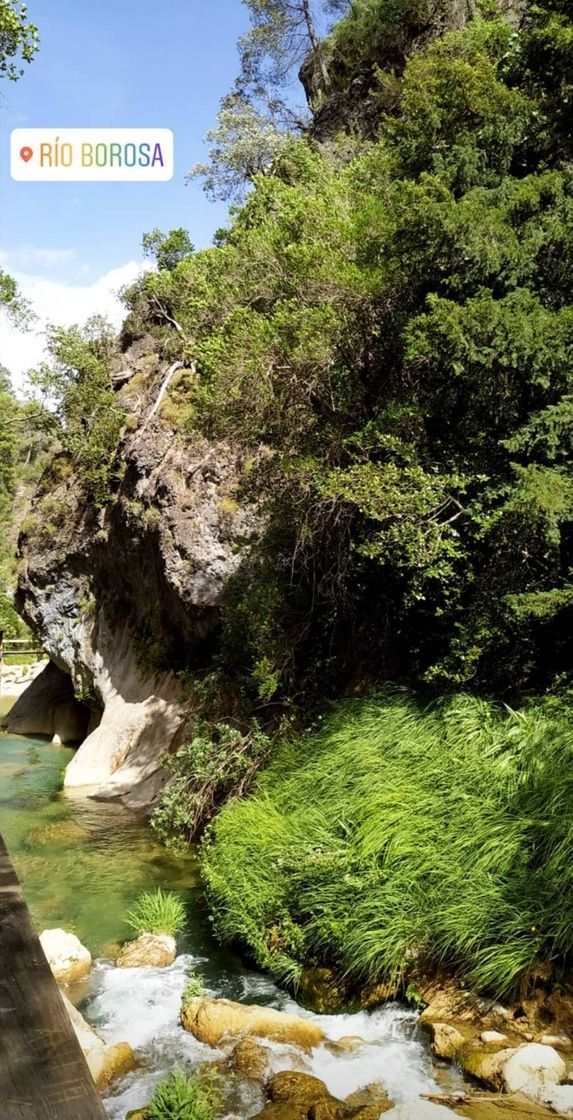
{"points": [[105, 1061], [149, 950], [532, 1070], [493, 1036], [68, 959], [560, 1099], [420, 1110]]}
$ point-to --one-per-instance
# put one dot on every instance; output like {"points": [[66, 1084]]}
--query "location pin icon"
{"points": [[26, 154]]}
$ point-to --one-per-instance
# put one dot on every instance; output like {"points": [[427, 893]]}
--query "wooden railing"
{"points": [[43, 1073], [14, 648]]}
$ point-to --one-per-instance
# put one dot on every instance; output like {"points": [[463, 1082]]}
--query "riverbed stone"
{"points": [[250, 1059], [301, 1088], [345, 1045], [490, 1037], [532, 1069], [371, 1096], [560, 1099], [110, 1062], [559, 1041], [105, 1061], [211, 1020], [149, 950], [68, 959], [446, 1040], [485, 1065]]}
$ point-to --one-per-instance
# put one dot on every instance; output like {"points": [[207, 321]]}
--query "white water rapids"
{"points": [[141, 1006]]}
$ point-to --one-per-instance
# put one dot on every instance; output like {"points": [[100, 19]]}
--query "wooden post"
{"points": [[43, 1073]]}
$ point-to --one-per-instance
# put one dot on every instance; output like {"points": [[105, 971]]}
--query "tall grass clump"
{"points": [[157, 912], [187, 1098], [402, 831]]}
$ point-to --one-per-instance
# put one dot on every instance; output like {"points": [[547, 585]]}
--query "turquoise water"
{"points": [[82, 863]]}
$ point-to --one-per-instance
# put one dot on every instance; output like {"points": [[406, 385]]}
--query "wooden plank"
{"points": [[43, 1073]]}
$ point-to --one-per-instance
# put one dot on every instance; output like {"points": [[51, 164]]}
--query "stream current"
{"points": [[83, 864]]}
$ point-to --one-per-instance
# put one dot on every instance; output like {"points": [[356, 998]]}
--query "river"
{"points": [[83, 864]]}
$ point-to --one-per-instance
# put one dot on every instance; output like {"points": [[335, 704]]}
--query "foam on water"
{"points": [[141, 1006]]}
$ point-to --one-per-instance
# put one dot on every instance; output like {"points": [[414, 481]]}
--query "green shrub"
{"points": [[218, 762], [193, 988], [187, 1098], [157, 912], [401, 831]]}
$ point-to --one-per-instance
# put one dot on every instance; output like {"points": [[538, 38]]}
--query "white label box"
{"points": [[74, 155]]}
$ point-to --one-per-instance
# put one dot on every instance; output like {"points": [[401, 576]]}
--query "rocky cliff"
{"points": [[127, 597]]}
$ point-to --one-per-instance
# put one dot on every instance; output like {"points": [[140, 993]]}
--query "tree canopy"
{"points": [[19, 39], [396, 330]]}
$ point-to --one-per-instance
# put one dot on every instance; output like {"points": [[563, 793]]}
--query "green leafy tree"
{"points": [[19, 39], [244, 144], [258, 117], [167, 249], [76, 389]]}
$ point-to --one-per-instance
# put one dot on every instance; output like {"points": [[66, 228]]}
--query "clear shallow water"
{"points": [[83, 863]]}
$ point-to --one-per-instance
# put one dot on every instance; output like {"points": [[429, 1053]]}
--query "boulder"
{"points": [[446, 1040], [485, 1065], [372, 1096], [560, 1099], [105, 1061], [559, 1041], [212, 1020], [149, 950], [109, 1062], [250, 1059], [68, 959], [322, 990], [282, 1111], [299, 1088], [490, 1037], [532, 1069]]}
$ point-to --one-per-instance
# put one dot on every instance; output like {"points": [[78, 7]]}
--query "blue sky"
{"points": [[109, 63], [119, 63]]}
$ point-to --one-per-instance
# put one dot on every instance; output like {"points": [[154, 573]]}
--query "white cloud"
{"points": [[28, 258], [64, 304]]}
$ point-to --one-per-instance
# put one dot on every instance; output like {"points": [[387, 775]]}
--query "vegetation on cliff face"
{"points": [[24, 448], [385, 333], [399, 836], [391, 338]]}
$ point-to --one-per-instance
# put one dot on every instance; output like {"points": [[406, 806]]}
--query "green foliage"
{"points": [[193, 988], [244, 144], [77, 386], [178, 1097], [22, 453], [218, 762], [18, 38], [17, 308], [167, 249], [400, 831], [158, 912], [390, 338]]}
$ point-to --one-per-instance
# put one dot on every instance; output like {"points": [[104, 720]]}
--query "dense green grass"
{"points": [[400, 830], [157, 912], [187, 1098]]}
